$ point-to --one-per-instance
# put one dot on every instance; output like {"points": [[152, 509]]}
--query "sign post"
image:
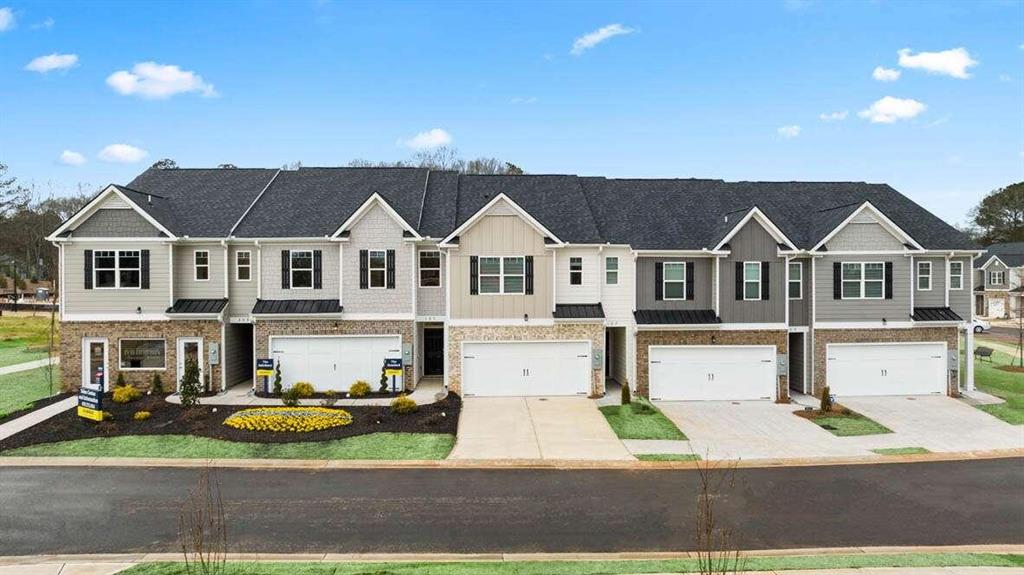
{"points": [[265, 369], [393, 368]]}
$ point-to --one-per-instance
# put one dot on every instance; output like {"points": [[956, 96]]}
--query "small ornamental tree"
{"points": [[383, 378], [190, 385], [156, 386], [626, 398], [826, 400], [277, 378]]}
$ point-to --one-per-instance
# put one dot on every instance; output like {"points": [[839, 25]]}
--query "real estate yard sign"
{"points": [[90, 403], [265, 369]]}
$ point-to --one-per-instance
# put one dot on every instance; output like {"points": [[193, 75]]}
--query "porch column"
{"points": [[969, 358]]}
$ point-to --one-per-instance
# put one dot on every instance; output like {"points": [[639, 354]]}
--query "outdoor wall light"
{"points": [[138, 310], [526, 317], [714, 340]]}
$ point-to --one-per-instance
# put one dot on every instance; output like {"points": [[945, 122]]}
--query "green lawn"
{"points": [[1004, 384], [597, 567], [18, 332], [900, 450], [628, 424], [848, 425], [19, 390], [372, 446], [667, 456]]}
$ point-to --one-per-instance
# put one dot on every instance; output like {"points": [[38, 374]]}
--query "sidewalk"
{"points": [[55, 360], [38, 416], [242, 394]]}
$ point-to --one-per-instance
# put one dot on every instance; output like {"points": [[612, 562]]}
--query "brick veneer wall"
{"points": [[560, 331], [823, 337], [778, 338], [72, 332], [266, 328]]}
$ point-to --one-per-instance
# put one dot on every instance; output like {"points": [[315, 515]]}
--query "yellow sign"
{"points": [[93, 414], [264, 373], [390, 372]]}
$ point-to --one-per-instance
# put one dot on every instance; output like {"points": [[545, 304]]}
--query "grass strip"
{"points": [[20, 389], [1004, 384], [640, 421], [900, 450], [667, 456]]}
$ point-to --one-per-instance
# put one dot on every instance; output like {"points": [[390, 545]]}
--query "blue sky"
{"points": [[723, 90]]}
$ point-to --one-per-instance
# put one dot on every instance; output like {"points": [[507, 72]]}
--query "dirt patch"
{"points": [[837, 411], [39, 403], [208, 421], [1011, 368]]}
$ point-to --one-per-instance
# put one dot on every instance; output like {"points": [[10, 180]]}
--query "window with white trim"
{"points": [[751, 281], [378, 269], [243, 265], [924, 276], [502, 275], [301, 269], [113, 269], [611, 271], [201, 265], [575, 271], [430, 269], [956, 275], [796, 280], [995, 278], [142, 354], [863, 280], [674, 280]]}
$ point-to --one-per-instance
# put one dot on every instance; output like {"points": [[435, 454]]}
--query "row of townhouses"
{"points": [[515, 285], [999, 281]]}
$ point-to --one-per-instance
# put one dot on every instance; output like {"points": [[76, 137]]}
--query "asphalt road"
{"points": [[95, 510], [1003, 334]]}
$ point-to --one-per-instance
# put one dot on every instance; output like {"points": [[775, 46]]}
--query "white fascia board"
{"points": [[107, 317], [992, 259], [682, 253], [515, 207], [91, 207], [114, 240], [375, 198], [766, 223], [272, 316], [500, 322], [864, 325], [886, 222]]}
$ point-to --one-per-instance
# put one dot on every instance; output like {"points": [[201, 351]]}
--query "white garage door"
{"points": [[333, 363], [526, 368], [886, 368], [717, 372]]}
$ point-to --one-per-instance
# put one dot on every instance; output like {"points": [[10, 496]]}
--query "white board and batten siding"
{"points": [[912, 368], [618, 300], [526, 368], [712, 373]]}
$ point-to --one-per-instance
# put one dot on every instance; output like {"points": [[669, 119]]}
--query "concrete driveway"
{"points": [[535, 428]]}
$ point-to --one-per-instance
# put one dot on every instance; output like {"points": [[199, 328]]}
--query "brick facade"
{"points": [[778, 338], [72, 332], [823, 337], [560, 331], [264, 329]]}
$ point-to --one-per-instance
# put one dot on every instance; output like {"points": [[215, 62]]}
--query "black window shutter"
{"points": [[739, 281], [318, 269], [286, 268], [474, 275], [888, 280], [529, 275], [88, 269], [144, 271], [837, 280], [391, 269], [689, 280], [659, 281], [364, 271], [766, 283]]}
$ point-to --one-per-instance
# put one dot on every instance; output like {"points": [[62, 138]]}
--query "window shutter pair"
{"points": [[474, 275], [390, 269], [529, 275], [739, 281], [364, 269], [143, 271], [659, 281], [286, 268], [318, 269], [88, 269], [888, 280], [837, 280], [689, 280], [766, 283]]}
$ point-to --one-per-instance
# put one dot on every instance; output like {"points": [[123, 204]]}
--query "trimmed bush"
{"points": [[120, 379], [141, 415], [359, 389], [190, 388], [626, 397], [125, 394], [404, 404], [156, 385], [330, 398], [291, 397], [277, 379], [826, 400], [304, 389]]}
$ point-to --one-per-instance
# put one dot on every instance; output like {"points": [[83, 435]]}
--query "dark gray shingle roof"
{"points": [[1011, 254]]}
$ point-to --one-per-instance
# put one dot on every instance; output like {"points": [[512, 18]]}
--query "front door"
{"points": [[94, 362], [433, 352], [190, 348]]}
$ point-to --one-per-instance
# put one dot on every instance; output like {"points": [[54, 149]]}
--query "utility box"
{"points": [[782, 363], [597, 359], [214, 353], [954, 361]]}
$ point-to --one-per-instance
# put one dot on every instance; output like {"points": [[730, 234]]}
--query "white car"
{"points": [[979, 325]]}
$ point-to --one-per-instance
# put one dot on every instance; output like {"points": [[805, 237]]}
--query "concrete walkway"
{"points": [[29, 365], [242, 394], [38, 416]]}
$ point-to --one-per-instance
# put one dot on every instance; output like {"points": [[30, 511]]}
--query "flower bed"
{"points": [[288, 419]]}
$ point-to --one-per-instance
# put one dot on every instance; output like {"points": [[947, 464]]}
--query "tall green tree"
{"points": [[165, 164], [999, 217], [12, 195]]}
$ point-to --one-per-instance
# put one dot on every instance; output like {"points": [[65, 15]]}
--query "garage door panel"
{"points": [[886, 369], [707, 373], [525, 368], [333, 363]]}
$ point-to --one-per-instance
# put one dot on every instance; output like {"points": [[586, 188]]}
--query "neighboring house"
{"points": [[999, 281], [515, 285]]}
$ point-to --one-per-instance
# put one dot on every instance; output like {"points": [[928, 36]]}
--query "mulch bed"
{"points": [[39, 403], [172, 419], [837, 411], [337, 395]]}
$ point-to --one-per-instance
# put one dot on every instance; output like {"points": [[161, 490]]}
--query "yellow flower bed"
{"points": [[288, 419]]}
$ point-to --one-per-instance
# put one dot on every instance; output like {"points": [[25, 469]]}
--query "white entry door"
{"points": [[709, 373], [94, 363], [526, 368], [334, 362], [886, 368], [190, 348]]}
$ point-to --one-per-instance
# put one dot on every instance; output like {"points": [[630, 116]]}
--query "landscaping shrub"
{"points": [[156, 385], [277, 379], [288, 419], [626, 398], [120, 379], [290, 398], [141, 415], [126, 393], [404, 404], [359, 389], [304, 389], [330, 398], [383, 380], [190, 387], [642, 408], [826, 400]]}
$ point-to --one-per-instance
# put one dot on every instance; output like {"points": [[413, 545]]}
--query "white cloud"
{"points": [[834, 116], [51, 62], [122, 154], [71, 158], [44, 25], [530, 100], [954, 62], [889, 110], [591, 39], [789, 132], [885, 74], [158, 81], [428, 140], [6, 19]]}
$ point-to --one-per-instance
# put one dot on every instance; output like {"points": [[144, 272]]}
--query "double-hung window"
{"points": [[117, 269], [378, 269], [301, 269], [751, 281], [243, 266], [863, 280], [575, 271], [956, 275], [430, 269], [995, 278], [502, 275], [674, 281], [611, 271], [796, 280], [924, 276], [201, 265]]}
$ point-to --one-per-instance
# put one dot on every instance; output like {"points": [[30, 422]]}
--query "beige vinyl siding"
{"points": [[377, 230], [961, 300], [864, 233], [501, 236], [703, 296], [185, 284], [77, 299], [896, 309], [589, 291], [429, 300], [618, 300], [753, 244], [242, 293], [936, 297], [270, 268], [116, 223], [800, 309]]}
